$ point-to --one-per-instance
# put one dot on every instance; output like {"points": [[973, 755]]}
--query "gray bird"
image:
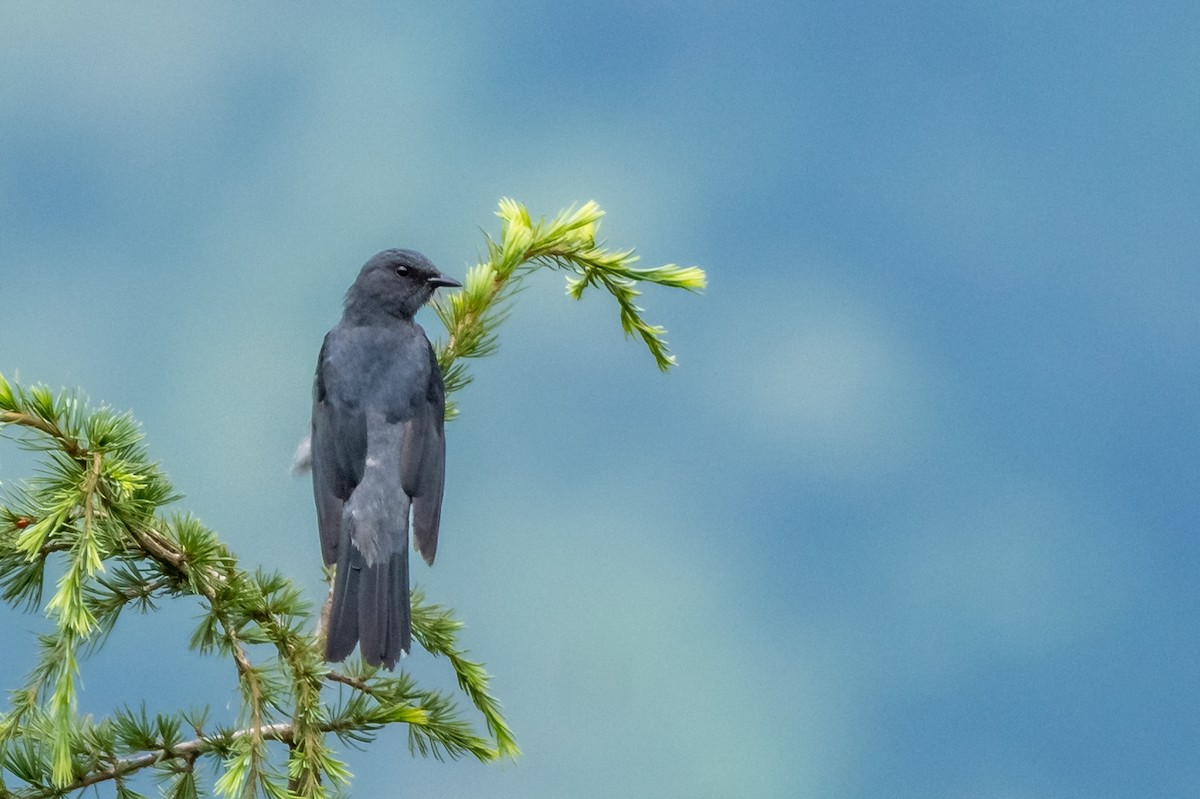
{"points": [[378, 447]]}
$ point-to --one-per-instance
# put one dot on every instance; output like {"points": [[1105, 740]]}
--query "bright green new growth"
{"points": [[96, 509], [568, 242]]}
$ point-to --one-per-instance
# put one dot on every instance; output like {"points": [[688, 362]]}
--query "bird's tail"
{"points": [[370, 599]]}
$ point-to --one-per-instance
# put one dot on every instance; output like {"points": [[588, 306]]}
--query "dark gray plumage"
{"points": [[378, 446]]}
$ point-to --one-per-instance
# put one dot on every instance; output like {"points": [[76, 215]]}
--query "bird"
{"points": [[378, 452]]}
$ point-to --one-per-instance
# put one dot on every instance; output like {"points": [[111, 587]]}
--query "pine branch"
{"points": [[568, 243], [436, 628], [84, 519], [159, 754], [39, 423], [96, 505], [187, 752], [180, 557]]}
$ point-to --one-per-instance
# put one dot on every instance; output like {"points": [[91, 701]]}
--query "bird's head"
{"points": [[397, 282]]}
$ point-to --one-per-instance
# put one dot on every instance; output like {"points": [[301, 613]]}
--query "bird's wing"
{"points": [[423, 462], [339, 448]]}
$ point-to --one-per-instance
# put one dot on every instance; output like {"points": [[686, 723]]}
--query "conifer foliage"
{"points": [[95, 518]]}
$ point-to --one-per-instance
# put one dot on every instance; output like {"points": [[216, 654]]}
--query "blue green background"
{"points": [[915, 515]]}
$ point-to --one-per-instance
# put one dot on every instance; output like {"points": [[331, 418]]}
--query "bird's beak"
{"points": [[443, 280]]}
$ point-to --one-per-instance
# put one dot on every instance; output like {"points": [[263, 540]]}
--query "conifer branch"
{"points": [[188, 751], [567, 243], [96, 507]]}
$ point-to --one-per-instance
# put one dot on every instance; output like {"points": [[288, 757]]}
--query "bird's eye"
{"points": [[401, 270]]}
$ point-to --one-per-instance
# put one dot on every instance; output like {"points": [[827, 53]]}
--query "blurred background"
{"points": [[915, 515]]}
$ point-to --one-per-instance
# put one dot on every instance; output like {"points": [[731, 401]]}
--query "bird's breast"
{"points": [[378, 368]]}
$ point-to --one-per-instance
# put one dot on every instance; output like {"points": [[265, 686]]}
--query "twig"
{"points": [[69, 445], [189, 750]]}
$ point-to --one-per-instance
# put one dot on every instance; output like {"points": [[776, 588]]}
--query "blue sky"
{"points": [[915, 516]]}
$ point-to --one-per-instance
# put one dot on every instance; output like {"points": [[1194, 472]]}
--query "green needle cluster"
{"points": [[96, 515], [567, 243]]}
